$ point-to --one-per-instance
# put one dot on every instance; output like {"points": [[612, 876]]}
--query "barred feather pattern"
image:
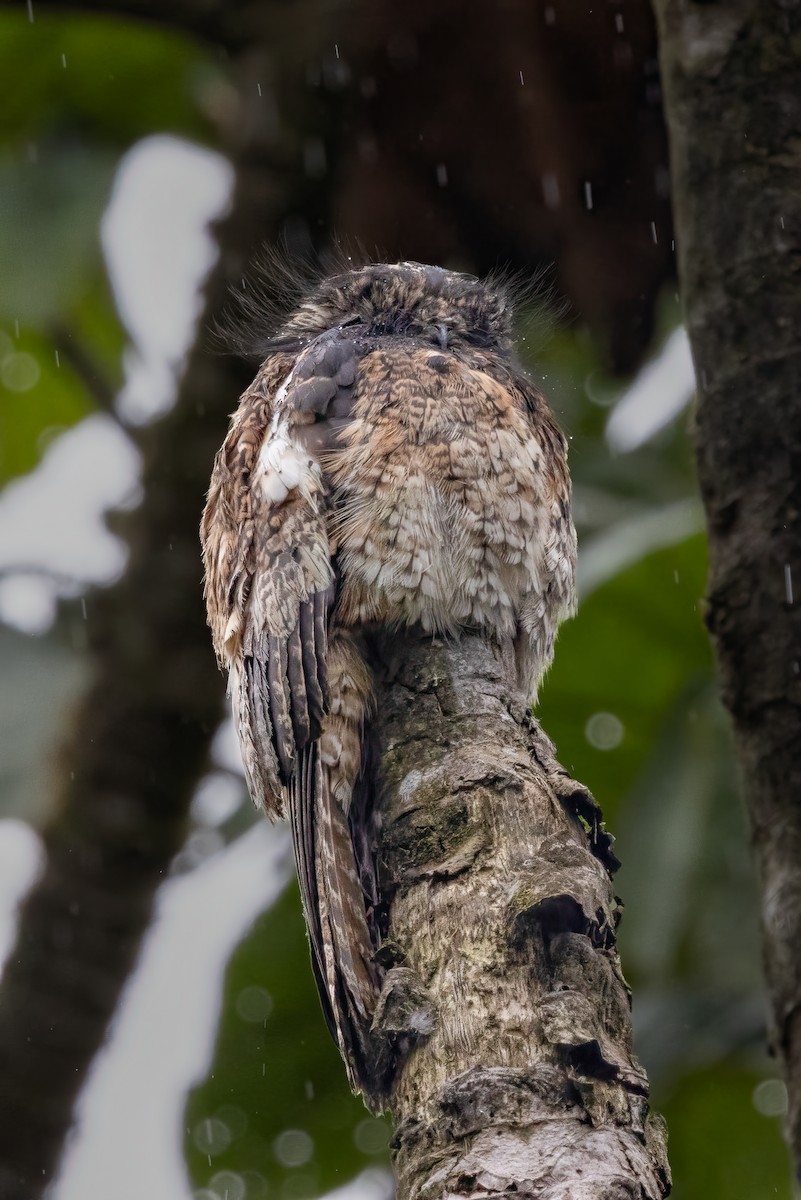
{"points": [[390, 465]]}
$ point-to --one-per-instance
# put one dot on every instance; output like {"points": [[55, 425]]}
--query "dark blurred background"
{"points": [[517, 137]]}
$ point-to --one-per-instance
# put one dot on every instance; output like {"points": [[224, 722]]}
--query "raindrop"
{"points": [[675, 577], [522, 84], [550, 191], [781, 222], [442, 175], [83, 607], [315, 162], [293, 1147], [20, 372], [211, 1136], [604, 731], [550, 16], [64, 61], [770, 1098], [254, 1004], [662, 181], [336, 49], [308, 1088], [30, 11], [588, 194], [227, 1185], [653, 233], [258, 88], [371, 1136], [788, 583], [619, 22], [58, 360]]}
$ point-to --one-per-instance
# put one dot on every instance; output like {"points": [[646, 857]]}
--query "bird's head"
{"points": [[408, 299]]}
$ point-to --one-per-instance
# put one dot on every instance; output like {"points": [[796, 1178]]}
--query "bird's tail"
{"points": [[335, 902]]}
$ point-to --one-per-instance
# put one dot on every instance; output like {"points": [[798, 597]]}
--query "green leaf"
{"points": [[49, 217], [40, 397], [629, 653], [276, 1092], [721, 1148], [96, 77]]}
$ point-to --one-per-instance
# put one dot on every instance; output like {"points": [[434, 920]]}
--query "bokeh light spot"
{"points": [[371, 1136], [293, 1147], [227, 1185], [254, 1004], [604, 731], [19, 372], [211, 1136], [770, 1098]]}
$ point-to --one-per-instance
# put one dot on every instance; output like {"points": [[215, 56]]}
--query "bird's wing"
{"points": [[552, 594], [270, 581], [268, 560]]}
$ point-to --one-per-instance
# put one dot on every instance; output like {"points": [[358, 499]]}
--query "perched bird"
{"points": [[390, 465]]}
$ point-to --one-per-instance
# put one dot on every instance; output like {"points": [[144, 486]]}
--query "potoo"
{"points": [[390, 465]]}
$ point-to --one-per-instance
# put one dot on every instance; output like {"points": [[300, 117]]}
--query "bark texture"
{"points": [[733, 101], [508, 988]]}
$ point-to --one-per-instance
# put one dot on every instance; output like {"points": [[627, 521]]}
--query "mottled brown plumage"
{"points": [[390, 465]]}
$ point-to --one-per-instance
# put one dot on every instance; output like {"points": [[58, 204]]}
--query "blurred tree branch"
{"points": [[124, 783], [734, 110], [68, 346], [139, 745]]}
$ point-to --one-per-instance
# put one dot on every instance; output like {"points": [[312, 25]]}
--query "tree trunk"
{"points": [[503, 919], [733, 101]]}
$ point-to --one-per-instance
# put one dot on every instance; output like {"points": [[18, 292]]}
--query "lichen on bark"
{"points": [[498, 871]]}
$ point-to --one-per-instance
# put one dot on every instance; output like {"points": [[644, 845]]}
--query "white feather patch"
{"points": [[283, 465]]}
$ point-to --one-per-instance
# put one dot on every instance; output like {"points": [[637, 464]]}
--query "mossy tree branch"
{"points": [[502, 919]]}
